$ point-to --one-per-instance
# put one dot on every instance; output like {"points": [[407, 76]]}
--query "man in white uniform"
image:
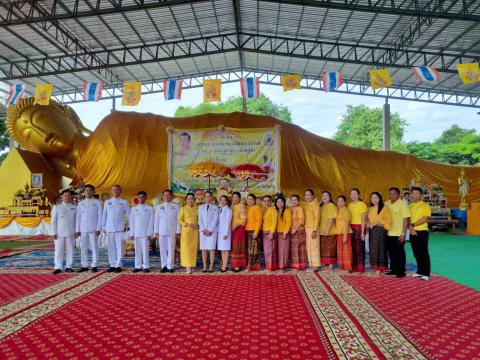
{"points": [[141, 230], [208, 222], [115, 225], [167, 229], [89, 226], [63, 231]]}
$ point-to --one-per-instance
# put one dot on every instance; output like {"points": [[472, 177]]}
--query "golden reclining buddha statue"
{"points": [[130, 149]]}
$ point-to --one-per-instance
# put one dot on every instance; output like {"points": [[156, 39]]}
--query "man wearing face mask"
{"points": [[114, 225]]}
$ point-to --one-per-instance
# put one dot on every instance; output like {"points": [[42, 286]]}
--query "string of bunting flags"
{"points": [[249, 87]]}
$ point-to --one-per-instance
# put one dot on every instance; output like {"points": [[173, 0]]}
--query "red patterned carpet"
{"points": [[15, 286], [440, 316], [196, 317], [239, 316]]}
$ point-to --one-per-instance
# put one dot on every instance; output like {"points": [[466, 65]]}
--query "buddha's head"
{"points": [[53, 130]]}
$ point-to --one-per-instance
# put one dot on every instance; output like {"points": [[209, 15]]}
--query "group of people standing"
{"points": [[308, 236]]}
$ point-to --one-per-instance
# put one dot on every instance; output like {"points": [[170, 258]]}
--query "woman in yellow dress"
{"points": [[344, 235], [284, 224], [328, 241], [269, 228], [188, 219], [379, 222], [298, 247], [239, 240], [253, 227], [312, 220]]}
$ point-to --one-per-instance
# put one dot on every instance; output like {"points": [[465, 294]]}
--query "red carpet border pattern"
{"points": [[441, 317], [260, 315]]}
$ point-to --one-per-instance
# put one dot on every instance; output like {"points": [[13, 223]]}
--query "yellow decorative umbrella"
{"points": [[208, 169]]}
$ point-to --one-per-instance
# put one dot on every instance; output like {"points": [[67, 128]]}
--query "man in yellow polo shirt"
{"points": [[420, 212], [396, 235]]}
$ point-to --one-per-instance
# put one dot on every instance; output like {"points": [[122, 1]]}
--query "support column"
{"points": [[386, 125], [113, 100]]}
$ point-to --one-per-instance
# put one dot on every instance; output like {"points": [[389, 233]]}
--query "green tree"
{"points": [[454, 146], [259, 106], [362, 126], [3, 138]]}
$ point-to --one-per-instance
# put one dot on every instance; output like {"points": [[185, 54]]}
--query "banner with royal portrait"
{"points": [[224, 160]]}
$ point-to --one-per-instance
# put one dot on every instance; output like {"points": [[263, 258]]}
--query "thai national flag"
{"points": [[16, 93], [172, 89], [332, 80], [92, 91], [426, 73], [250, 87]]}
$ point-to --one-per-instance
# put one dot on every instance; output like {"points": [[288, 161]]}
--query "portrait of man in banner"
{"points": [[183, 151]]}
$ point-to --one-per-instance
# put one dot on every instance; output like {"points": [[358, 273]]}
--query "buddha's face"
{"points": [[46, 129]]}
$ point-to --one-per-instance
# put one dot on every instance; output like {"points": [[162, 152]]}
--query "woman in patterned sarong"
{"points": [[298, 247], [379, 221], [239, 240], [358, 214], [284, 223], [344, 235], [328, 240]]}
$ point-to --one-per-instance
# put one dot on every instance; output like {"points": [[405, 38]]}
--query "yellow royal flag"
{"points": [[43, 93], [290, 82], [380, 78], [212, 90], [469, 73], [132, 92]]}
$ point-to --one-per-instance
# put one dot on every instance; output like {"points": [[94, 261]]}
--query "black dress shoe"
{"points": [[94, 269], [164, 269], [56, 271], [69, 270], [118, 269], [83, 269], [146, 270], [401, 275], [171, 270], [111, 269], [221, 270], [136, 270], [236, 270], [391, 273]]}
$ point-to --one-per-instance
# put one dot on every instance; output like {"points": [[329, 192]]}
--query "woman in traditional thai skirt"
{"points": [[239, 240], [328, 240], [269, 228], [344, 235], [298, 247], [379, 221], [358, 213], [284, 223], [253, 227], [188, 219], [312, 220]]}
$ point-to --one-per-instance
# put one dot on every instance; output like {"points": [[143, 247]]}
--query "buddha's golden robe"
{"points": [[130, 149]]}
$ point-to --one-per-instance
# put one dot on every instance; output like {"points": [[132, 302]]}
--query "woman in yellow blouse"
{"points": [[328, 241], [282, 235], [239, 240], [252, 228], [379, 221], [312, 220], [269, 228], [298, 246], [344, 235], [188, 219], [358, 213]]}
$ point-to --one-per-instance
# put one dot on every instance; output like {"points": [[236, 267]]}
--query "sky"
{"points": [[315, 111]]}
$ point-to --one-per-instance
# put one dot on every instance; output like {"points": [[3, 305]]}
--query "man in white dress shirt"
{"points": [[141, 230], [167, 229], [88, 227], [63, 231], [115, 225], [208, 222]]}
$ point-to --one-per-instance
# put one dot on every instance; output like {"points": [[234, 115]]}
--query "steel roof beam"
{"points": [[215, 44], [105, 7], [418, 94]]}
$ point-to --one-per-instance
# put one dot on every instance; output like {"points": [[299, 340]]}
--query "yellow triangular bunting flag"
{"points": [[43, 93], [132, 92], [290, 82], [469, 73], [212, 90], [380, 78]]}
